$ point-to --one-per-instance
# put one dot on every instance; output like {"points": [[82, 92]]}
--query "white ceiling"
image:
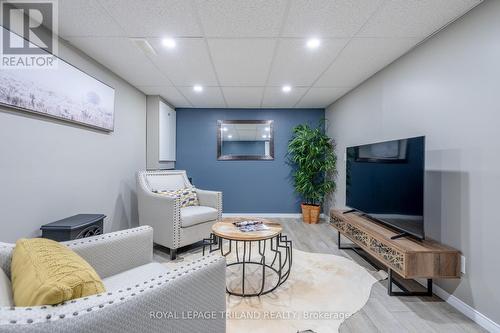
{"points": [[243, 51]]}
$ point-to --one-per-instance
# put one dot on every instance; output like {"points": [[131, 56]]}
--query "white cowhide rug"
{"points": [[322, 291]]}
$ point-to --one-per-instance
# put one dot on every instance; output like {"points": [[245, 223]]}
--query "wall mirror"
{"points": [[245, 140]]}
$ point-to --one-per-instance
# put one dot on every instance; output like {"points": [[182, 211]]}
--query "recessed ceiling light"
{"points": [[268, 129], [197, 88], [229, 136], [264, 136], [224, 129], [169, 43], [313, 43], [286, 89]]}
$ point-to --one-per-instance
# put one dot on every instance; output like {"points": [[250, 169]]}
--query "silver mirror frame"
{"points": [[221, 157]]}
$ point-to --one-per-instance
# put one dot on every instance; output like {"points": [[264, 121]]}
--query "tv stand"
{"points": [[401, 235], [404, 258]]}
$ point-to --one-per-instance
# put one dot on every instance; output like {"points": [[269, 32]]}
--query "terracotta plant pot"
{"points": [[310, 213]]}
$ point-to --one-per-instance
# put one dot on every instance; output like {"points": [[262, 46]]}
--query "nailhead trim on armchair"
{"points": [[164, 213], [82, 306], [198, 286]]}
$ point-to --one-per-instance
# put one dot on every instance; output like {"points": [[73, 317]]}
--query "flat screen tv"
{"points": [[385, 181]]}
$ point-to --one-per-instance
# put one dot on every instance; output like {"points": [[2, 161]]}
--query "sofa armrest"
{"points": [[166, 303], [210, 199], [116, 252], [6, 257], [162, 213]]}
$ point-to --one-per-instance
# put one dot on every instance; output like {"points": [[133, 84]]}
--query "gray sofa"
{"points": [[141, 295], [175, 226]]}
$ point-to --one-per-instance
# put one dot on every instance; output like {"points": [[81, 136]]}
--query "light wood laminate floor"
{"points": [[382, 313]]}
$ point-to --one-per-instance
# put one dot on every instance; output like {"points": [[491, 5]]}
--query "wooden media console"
{"points": [[406, 257]]}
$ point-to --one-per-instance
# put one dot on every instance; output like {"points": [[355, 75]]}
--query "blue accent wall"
{"points": [[247, 186]]}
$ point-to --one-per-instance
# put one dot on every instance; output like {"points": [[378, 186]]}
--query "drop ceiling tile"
{"points": [[187, 64], [241, 18], [275, 98], [403, 18], [321, 97], [328, 18], [297, 65], [362, 58], [154, 18], [242, 62], [210, 97], [243, 97], [170, 94], [122, 57], [85, 18]]}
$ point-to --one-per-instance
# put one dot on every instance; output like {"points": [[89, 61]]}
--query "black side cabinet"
{"points": [[74, 227]]}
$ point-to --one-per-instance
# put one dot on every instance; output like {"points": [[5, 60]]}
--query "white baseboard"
{"points": [[467, 310], [270, 215], [464, 308]]}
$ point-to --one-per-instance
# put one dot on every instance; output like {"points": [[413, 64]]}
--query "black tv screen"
{"points": [[385, 180]]}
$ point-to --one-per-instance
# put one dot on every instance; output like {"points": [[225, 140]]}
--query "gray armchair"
{"points": [[175, 226], [140, 294]]}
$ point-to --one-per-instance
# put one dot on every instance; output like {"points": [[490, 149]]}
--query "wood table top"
{"points": [[227, 230]]}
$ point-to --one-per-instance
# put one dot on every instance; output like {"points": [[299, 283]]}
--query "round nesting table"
{"points": [[272, 253]]}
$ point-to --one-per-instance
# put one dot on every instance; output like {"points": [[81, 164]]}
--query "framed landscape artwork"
{"points": [[64, 92]]}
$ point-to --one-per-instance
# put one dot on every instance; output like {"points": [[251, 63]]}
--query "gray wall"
{"points": [[448, 89], [51, 169]]}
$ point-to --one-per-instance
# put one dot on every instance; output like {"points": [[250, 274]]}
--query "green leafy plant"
{"points": [[311, 153]]}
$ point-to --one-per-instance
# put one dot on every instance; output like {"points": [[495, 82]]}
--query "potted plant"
{"points": [[311, 153]]}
